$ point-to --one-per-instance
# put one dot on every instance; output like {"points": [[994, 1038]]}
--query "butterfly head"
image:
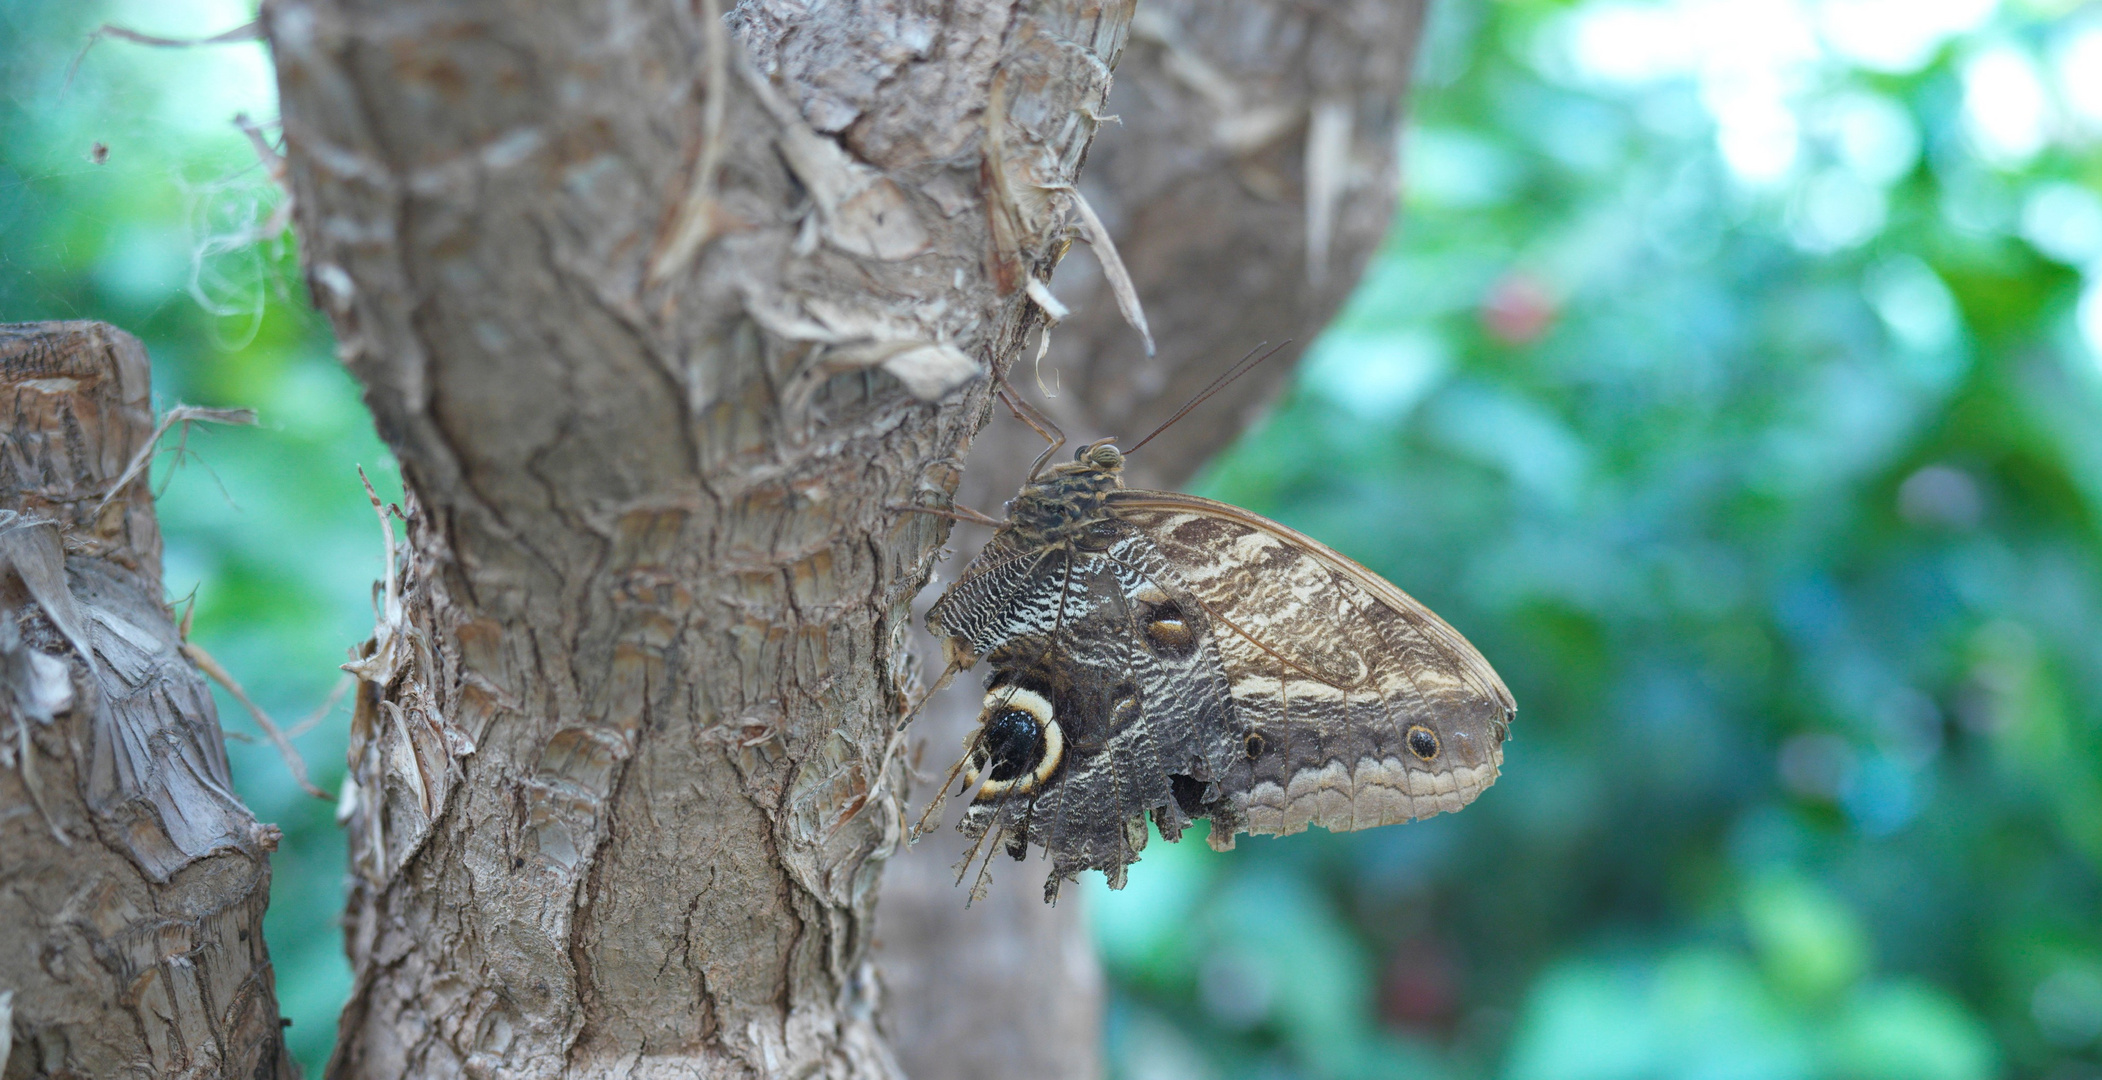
{"points": [[1101, 455], [1091, 465]]}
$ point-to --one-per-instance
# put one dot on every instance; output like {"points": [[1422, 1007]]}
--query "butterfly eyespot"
{"points": [[1014, 741], [1123, 711], [1254, 745], [1020, 745], [1167, 631], [1423, 742], [1170, 635]]}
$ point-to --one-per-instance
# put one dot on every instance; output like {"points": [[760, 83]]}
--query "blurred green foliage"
{"points": [[1733, 379]]}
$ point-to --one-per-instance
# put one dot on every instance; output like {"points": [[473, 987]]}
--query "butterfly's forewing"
{"points": [[1336, 676], [1010, 589]]}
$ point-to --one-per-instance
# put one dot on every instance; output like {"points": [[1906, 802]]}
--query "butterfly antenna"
{"points": [[941, 683], [1241, 367]]}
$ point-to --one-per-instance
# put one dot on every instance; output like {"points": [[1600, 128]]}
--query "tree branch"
{"points": [[136, 889], [658, 345]]}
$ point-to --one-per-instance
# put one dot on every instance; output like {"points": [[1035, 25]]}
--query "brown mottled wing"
{"points": [[1330, 668]]}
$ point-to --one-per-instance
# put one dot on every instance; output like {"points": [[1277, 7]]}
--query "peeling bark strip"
{"points": [[1219, 186], [663, 314], [134, 880]]}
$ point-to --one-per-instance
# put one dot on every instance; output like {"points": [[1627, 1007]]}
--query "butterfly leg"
{"points": [[897, 741], [982, 884], [996, 838], [941, 792], [963, 867], [954, 513], [1037, 421]]}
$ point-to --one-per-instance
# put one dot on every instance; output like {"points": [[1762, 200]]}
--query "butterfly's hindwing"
{"points": [[1185, 697], [1147, 721]]}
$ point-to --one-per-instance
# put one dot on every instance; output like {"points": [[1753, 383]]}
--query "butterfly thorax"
{"points": [[1066, 503]]}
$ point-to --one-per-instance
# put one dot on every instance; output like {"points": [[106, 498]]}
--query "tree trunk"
{"points": [[134, 880], [663, 314], [1251, 178]]}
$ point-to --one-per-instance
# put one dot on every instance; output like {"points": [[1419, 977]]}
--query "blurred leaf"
{"points": [[1908, 1031], [1809, 943]]}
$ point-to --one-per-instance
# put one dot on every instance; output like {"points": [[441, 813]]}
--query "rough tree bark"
{"points": [[132, 881], [662, 312], [1250, 179], [662, 320]]}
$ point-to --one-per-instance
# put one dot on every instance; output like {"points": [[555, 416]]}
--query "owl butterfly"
{"points": [[1162, 655]]}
